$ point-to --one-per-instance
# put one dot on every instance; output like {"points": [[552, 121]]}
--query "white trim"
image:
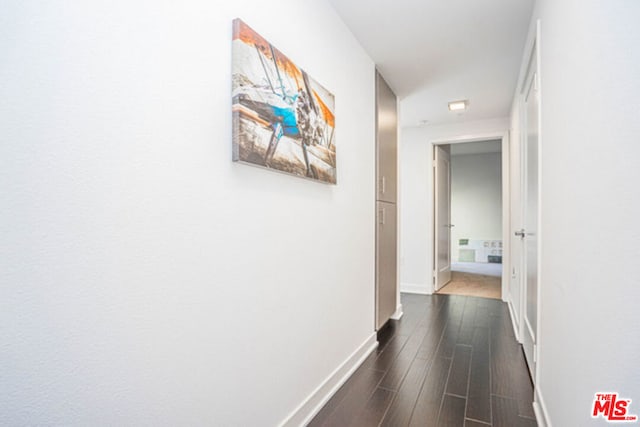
{"points": [[514, 320], [531, 53], [398, 314], [532, 35], [476, 137], [415, 288], [540, 228], [540, 409], [516, 246], [308, 409], [533, 40], [506, 216]]}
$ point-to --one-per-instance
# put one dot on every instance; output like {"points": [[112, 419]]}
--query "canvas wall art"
{"points": [[282, 118]]}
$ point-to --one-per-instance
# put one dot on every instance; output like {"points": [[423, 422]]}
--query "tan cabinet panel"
{"points": [[386, 265], [386, 142]]}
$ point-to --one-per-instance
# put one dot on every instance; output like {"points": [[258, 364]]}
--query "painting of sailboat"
{"points": [[282, 118]]}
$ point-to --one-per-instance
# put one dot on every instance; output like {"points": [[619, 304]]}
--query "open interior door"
{"points": [[442, 224]]}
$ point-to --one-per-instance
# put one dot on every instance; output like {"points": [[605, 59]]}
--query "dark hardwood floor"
{"points": [[450, 361]]}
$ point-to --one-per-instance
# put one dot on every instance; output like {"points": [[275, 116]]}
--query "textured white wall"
{"points": [[476, 198], [416, 202], [146, 279], [590, 323]]}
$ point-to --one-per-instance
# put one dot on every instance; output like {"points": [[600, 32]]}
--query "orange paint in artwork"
{"points": [[291, 69], [242, 31], [326, 112]]}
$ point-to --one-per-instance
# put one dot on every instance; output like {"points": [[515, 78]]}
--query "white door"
{"points": [[530, 198], [442, 224]]}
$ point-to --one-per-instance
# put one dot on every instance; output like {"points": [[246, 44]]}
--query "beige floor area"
{"points": [[475, 285]]}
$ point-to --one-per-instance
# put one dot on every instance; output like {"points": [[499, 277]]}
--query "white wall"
{"points": [[416, 202], [476, 198], [147, 279], [590, 324]]}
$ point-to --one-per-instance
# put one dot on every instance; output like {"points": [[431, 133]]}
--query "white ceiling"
{"points": [[435, 51]]}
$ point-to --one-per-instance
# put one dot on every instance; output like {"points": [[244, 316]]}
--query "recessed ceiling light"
{"points": [[458, 105]]}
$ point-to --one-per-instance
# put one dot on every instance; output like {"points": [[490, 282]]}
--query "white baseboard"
{"points": [[398, 314], [540, 409], [415, 288], [308, 409], [514, 321], [506, 297]]}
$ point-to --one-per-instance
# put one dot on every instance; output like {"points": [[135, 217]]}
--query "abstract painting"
{"points": [[282, 118]]}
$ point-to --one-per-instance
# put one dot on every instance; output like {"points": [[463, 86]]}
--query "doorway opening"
{"points": [[469, 206]]}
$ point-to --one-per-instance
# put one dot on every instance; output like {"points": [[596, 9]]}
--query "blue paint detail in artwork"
{"points": [[287, 117]]}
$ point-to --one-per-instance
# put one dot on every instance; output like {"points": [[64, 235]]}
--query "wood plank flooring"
{"points": [[450, 361], [475, 285]]}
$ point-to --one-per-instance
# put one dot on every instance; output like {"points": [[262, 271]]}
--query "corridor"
{"points": [[450, 361], [150, 276]]}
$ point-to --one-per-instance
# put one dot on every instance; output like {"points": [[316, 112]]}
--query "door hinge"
{"points": [[535, 353], [434, 163]]}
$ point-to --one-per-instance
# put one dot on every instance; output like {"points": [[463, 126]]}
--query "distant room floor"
{"points": [[484, 268], [475, 285]]}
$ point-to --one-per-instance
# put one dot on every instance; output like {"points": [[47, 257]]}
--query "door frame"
{"points": [[528, 330], [506, 213], [532, 51]]}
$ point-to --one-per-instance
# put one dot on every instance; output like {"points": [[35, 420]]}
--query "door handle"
{"points": [[520, 233], [449, 225]]}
